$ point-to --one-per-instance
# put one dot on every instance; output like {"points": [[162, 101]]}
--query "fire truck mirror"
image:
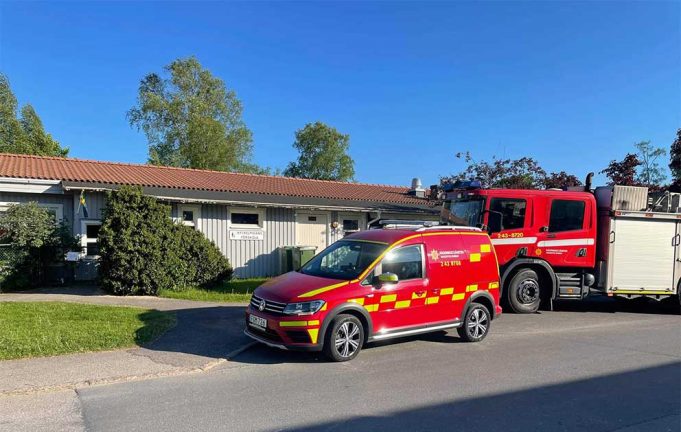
{"points": [[494, 222]]}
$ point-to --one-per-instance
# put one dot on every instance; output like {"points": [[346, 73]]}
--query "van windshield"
{"points": [[345, 259]]}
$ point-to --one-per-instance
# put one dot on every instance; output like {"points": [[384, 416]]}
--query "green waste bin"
{"points": [[293, 257], [306, 253]]}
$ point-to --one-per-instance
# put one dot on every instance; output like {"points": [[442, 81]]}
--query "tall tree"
{"points": [[675, 159], [323, 154], [651, 173], [561, 180], [25, 135], [523, 173], [40, 142], [192, 120], [623, 172]]}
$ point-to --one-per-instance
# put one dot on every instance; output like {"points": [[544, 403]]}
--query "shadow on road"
{"points": [[642, 400]]}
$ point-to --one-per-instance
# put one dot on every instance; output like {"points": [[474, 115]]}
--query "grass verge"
{"points": [[234, 291], [41, 329]]}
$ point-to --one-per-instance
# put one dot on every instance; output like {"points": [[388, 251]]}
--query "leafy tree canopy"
{"points": [[523, 173], [675, 159], [650, 172], [192, 120], [623, 172], [24, 134], [323, 154]]}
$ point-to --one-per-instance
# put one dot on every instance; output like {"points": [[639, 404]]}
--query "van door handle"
{"points": [[436, 290], [419, 293]]}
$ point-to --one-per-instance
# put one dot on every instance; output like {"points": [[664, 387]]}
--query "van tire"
{"points": [[344, 338], [476, 323], [523, 292]]}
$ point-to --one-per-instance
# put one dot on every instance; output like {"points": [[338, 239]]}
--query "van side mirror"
{"points": [[385, 279]]}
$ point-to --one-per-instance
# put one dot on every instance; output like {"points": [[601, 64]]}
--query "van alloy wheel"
{"points": [[477, 323], [347, 339]]}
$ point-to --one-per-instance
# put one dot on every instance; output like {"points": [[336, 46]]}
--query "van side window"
{"points": [[566, 215], [512, 212], [405, 262]]}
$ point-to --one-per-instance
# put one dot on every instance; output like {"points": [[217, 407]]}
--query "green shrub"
{"points": [[142, 250], [34, 242]]}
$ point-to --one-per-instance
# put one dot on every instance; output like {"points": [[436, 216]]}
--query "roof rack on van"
{"points": [[449, 227], [418, 225]]}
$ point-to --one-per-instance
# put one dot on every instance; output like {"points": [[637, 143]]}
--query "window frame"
{"points": [[378, 268], [246, 210], [584, 215], [85, 240], [360, 218], [196, 208]]}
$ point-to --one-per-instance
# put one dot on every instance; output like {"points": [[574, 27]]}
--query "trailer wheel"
{"points": [[523, 293]]}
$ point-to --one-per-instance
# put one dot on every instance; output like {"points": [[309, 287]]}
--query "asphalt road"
{"points": [[589, 367]]}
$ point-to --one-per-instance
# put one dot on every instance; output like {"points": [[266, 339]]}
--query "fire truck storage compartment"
{"points": [[643, 254]]}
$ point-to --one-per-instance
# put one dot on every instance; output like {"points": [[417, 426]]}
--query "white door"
{"points": [[312, 230], [642, 254]]}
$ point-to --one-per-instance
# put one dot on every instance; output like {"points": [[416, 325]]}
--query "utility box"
{"points": [[293, 257]]}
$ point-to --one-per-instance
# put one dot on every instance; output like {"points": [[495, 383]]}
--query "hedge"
{"points": [[142, 250]]}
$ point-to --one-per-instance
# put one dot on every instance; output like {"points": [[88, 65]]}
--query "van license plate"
{"points": [[257, 321]]}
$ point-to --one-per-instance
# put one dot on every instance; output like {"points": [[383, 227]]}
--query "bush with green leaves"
{"points": [[142, 250], [33, 242]]}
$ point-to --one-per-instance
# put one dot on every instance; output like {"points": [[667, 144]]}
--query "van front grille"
{"points": [[270, 306]]}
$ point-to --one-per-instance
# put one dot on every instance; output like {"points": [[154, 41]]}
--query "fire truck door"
{"points": [[568, 240]]}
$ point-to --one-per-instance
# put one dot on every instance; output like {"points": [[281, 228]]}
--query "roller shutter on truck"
{"points": [[643, 255]]}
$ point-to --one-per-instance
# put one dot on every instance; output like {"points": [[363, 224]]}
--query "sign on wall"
{"points": [[246, 234]]}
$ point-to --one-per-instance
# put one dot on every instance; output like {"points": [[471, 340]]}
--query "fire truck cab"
{"points": [[556, 244]]}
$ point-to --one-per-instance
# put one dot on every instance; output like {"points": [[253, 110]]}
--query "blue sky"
{"points": [[571, 84]]}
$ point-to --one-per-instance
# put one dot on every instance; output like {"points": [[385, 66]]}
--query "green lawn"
{"points": [[236, 290], [49, 328]]}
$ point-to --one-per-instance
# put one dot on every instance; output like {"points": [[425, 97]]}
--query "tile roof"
{"points": [[114, 173]]}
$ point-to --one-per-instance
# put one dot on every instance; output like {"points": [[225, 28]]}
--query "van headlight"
{"points": [[304, 308]]}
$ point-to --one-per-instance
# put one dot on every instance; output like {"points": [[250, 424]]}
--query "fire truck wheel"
{"points": [[344, 339], [476, 324], [523, 292]]}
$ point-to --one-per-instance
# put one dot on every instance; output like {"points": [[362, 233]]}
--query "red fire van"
{"points": [[380, 284]]}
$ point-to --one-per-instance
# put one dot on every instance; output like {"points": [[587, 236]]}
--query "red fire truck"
{"points": [[555, 244]]}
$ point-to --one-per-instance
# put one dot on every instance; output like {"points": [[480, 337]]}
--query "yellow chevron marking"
{"points": [[323, 307], [371, 307], [402, 304], [388, 298], [485, 247], [323, 290], [473, 287], [446, 291], [313, 334], [493, 285], [415, 296], [458, 296], [475, 257], [432, 300], [313, 323], [359, 301]]}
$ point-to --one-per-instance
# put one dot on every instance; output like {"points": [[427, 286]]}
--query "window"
{"points": [[245, 218], [343, 260], [89, 240], [350, 225], [189, 214], [405, 262], [57, 210], [566, 215], [506, 214], [250, 218]]}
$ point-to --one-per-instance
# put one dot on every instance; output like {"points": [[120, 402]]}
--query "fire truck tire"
{"points": [[476, 324], [344, 338], [523, 293]]}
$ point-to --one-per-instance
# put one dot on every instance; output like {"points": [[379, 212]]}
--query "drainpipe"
{"points": [[378, 218]]}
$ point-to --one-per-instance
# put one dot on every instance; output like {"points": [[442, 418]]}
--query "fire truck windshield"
{"points": [[463, 211]]}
